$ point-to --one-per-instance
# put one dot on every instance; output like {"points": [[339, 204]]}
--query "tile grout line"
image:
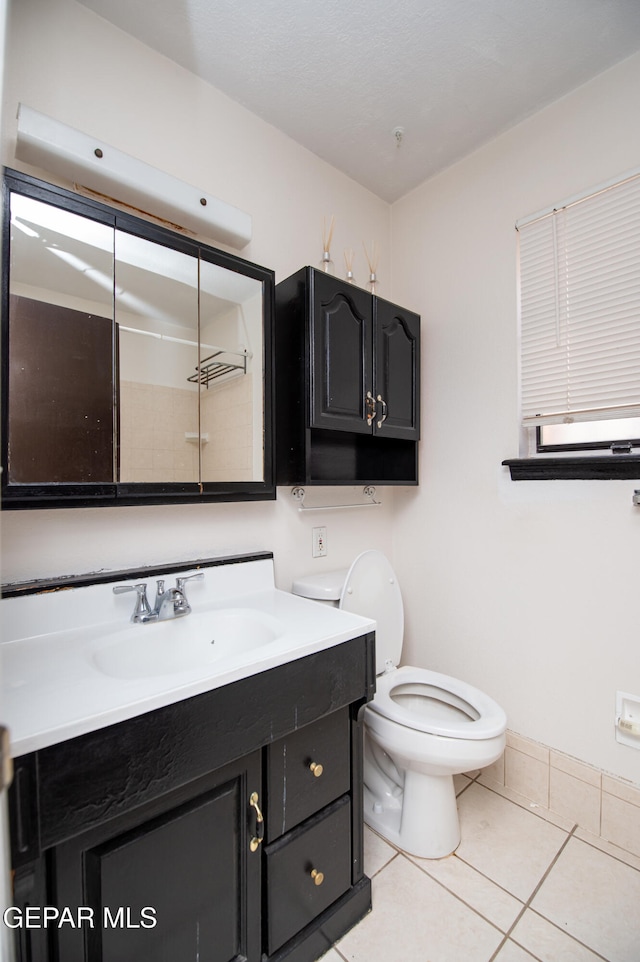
{"points": [[605, 851], [531, 807], [338, 952], [466, 788], [396, 852], [527, 904], [458, 897], [559, 928], [482, 875]]}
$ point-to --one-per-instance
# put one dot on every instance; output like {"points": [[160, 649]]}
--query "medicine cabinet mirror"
{"points": [[137, 363]]}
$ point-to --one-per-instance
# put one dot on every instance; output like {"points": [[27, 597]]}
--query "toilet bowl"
{"points": [[421, 728]]}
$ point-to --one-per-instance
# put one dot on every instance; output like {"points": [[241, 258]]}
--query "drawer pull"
{"points": [[317, 770], [318, 877], [258, 837]]}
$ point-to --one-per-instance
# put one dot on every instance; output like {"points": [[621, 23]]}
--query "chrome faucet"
{"points": [[169, 603]]}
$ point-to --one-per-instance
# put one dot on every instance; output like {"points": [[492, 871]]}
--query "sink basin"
{"points": [[196, 641]]}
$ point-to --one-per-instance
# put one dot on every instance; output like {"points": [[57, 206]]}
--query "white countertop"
{"points": [[53, 689]]}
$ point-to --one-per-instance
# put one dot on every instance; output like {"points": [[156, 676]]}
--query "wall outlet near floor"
{"points": [[628, 719], [319, 542]]}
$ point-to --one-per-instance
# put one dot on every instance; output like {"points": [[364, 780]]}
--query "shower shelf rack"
{"points": [[216, 365]]}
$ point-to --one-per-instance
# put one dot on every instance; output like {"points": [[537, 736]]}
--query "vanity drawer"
{"points": [[306, 770], [307, 870]]}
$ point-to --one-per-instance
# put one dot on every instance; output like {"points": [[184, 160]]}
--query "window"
{"points": [[579, 306], [617, 435]]}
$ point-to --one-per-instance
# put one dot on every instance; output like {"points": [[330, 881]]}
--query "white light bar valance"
{"points": [[47, 143], [580, 308]]}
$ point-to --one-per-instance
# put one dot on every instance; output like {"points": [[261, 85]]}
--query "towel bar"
{"points": [[298, 494]]}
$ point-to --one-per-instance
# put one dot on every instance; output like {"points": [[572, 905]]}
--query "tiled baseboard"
{"points": [[598, 803]]}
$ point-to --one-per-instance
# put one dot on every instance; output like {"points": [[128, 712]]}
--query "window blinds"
{"points": [[579, 274]]}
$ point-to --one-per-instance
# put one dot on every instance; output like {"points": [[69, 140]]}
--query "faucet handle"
{"points": [[181, 605], [159, 593], [180, 582], [142, 611]]}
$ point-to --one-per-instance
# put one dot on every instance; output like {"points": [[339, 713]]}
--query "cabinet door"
{"points": [[341, 354], [397, 371], [182, 883]]}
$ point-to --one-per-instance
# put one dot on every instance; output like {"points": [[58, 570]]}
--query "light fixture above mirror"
{"points": [[69, 153]]}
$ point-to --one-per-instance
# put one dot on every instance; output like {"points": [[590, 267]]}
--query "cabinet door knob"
{"points": [[318, 877], [258, 837], [316, 768]]}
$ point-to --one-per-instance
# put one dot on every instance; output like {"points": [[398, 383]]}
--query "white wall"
{"points": [[527, 589], [68, 63]]}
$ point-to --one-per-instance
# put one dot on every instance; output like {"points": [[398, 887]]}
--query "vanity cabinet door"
{"points": [[180, 883]]}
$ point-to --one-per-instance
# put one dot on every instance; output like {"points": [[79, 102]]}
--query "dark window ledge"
{"points": [[606, 467]]}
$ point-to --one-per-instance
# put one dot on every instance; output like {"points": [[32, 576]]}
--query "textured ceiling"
{"points": [[339, 76]]}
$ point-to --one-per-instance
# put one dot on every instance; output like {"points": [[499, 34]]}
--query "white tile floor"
{"points": [[523, 886]]}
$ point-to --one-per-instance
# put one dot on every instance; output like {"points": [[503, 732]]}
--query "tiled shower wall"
{"points": [[153, 423], [605, 806], [159, 426], [227, 420]]}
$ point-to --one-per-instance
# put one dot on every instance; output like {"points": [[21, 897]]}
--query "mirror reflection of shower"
{"points": [[187, 402]]}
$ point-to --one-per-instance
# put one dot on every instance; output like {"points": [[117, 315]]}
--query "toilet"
{"points": [[421, 728]]}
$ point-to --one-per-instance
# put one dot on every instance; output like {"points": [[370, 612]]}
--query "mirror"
{"points": [[138, 361]]}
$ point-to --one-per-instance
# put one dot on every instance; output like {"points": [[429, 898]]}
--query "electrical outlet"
{"points": [[628, 719], [319, 542]]}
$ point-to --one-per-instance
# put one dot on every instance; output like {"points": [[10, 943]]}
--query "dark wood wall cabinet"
{"points": [[347, 384], [224, 827]]}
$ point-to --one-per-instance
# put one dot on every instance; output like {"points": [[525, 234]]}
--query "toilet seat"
{"points": [[460, 711]]}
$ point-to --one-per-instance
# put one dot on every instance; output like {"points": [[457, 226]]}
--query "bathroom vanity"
{"points": [[212, 813]]}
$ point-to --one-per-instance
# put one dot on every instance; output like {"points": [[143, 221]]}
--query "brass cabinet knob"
{"points": [[316, 768], [318, 877]]}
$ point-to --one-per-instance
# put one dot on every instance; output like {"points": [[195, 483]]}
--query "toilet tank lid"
{"points": [[321, 587]]}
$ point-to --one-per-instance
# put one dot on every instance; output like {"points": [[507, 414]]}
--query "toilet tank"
{"points": [[325, 587]]}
